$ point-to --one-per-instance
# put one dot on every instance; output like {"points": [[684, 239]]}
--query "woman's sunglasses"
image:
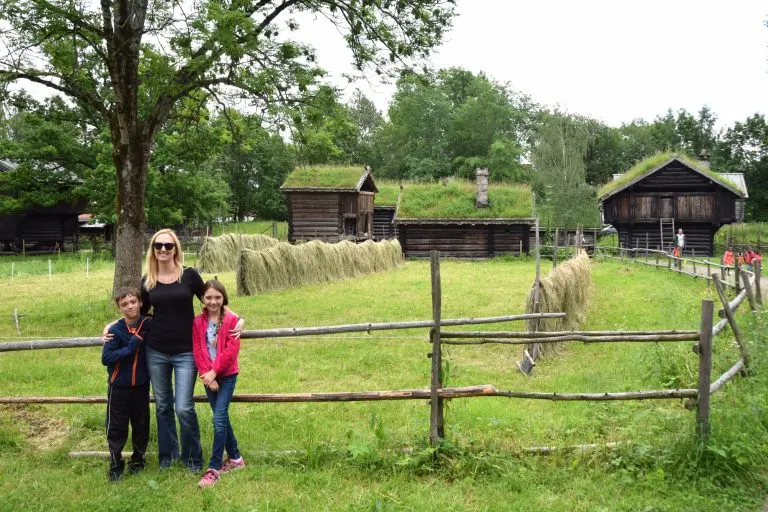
{"points": [[158, 246]]}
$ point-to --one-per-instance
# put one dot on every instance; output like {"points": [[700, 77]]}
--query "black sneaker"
{"points": [[136, 466], [115, 475]]}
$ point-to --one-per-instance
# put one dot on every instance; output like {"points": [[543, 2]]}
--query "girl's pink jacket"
{"points": [[227, 347]]}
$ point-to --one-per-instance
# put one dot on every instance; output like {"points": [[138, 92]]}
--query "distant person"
{"points": [[728, 259], [677, 252], [216, 350], [749, 256], [128, 392]]}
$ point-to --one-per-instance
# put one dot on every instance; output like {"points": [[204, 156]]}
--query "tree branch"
{"points": [[83, 96]]}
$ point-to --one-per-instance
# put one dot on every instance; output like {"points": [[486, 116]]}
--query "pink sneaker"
{"points": [[210, 477], [231, 464]]}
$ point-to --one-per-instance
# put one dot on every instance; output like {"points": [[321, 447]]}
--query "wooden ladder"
{"points": [[667, 222]]}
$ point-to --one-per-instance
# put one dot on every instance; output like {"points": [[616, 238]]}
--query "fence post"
{"points": [[732, 321], [274, 229], [705, 371], [736, 274], [758, 272], [436, 426], [693, 258], [748, 287], [554, 251]]}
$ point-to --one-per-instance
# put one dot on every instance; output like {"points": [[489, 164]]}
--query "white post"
{"points": [[87, 266], [13, 269], [49, 269]]}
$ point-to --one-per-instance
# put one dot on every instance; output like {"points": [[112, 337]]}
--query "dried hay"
{"points": [[566, 290], [287, 266], [221, 253]]}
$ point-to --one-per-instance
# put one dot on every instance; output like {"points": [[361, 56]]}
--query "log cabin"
{"points": [[464, 220], [330, 203], [39, 227], [665, 192]]}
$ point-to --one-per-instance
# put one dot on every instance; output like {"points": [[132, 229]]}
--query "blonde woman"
{"points": [[168, 290]]}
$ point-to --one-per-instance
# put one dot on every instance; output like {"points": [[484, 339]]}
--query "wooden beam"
{"points": [[720, 382], [436, 418], [705, 370], [732, 322]]}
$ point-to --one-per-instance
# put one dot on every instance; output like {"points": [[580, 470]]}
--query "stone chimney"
{"points": [[481, 198], [704, 158]]}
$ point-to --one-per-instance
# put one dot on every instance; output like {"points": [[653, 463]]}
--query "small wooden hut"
{"points": [[665, 192], [464, 220], [330, 203], [38, 227]]}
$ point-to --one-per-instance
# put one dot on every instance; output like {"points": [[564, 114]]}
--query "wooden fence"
{"points": [[437, 394]]}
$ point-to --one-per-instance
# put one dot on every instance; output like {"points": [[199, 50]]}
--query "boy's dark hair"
{"points": [[125, 291], [216, 285]]}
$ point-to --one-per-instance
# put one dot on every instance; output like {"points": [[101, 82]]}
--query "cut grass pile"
{"points": [[564, 290], [221, 253], [288, 266]]}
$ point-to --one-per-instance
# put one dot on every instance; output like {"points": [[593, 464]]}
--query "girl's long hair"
{"points": [[151, 261], [216, 285]]}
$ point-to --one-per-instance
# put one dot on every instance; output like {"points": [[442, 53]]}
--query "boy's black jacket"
{"points": [[124, 355]]}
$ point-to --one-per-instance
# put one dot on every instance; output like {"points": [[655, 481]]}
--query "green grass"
{"points": [[350, 454], [456, 200], [325, 177], [651, 163], [388, 192], [254, 227]]}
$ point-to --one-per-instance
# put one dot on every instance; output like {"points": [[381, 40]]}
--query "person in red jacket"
{"points": [[215, 349]]}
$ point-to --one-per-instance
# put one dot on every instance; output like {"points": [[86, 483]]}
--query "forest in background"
{"points": [[211, 162]]}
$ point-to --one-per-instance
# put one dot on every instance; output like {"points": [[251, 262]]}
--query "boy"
{"points": [[128, 392]]}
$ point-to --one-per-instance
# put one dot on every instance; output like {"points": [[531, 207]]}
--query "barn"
{"points": [[38, 227], [330, 203], [665, 192], [464, 220]]}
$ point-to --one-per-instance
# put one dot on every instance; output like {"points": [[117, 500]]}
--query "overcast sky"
{"points": [[611, 60]]}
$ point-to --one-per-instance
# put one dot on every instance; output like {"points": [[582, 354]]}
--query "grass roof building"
{"points": [[464, 220], [330, 203], [665, 192]]}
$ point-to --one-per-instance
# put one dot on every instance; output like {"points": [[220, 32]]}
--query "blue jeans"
{"points": [[223, 436], [161, 366]]}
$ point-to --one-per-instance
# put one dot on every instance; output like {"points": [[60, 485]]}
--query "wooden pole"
{"points": [[693, 256], [705, 370], [554, 252], [274, 229], [720, 382], [736, 273], [436, 419], [577, 337], [486, 390], [748, 289], [758, 274], [732, 321], [49, 269], [689, 334]]}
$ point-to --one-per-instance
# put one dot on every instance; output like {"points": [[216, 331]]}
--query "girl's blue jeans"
{"points": [[223, 436]]}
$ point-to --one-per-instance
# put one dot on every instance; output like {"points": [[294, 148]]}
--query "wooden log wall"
{"points": [[673, 192], [463, 241], [382, 222], [314, 216], [698, 237]]}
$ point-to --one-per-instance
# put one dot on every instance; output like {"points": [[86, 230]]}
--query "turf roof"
{"points": [[456, 200], [320, 177], [387, 194], [654, 162]]}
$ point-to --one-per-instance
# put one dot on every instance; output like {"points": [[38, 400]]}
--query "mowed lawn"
{"points": [[373, 455]]}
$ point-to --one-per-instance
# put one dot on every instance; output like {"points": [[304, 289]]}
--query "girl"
{"points": [[215, 350]]}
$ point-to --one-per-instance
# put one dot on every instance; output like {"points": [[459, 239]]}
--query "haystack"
{"points": [[566, 290], [288, 266], [221, 253]]}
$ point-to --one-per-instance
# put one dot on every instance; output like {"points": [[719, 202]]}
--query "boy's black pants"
{"points": [[126, 404]]}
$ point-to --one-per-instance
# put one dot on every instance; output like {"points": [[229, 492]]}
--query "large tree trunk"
{"points": [[131, 163]]}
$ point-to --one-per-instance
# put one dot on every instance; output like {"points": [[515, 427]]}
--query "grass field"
{"points": [[374, 456]]}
